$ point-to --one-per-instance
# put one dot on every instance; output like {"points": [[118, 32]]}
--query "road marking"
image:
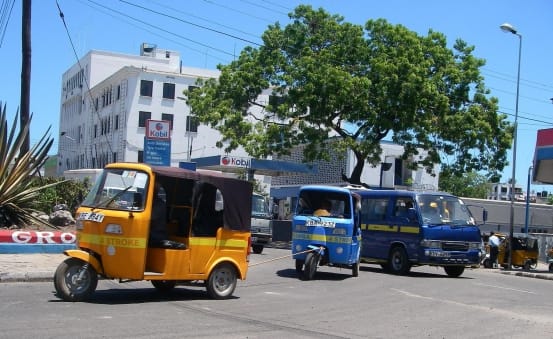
{"points": [[544, 319], [506, 288]]}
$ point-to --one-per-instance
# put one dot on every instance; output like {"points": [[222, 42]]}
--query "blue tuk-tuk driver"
{"points": [[324, 209]]}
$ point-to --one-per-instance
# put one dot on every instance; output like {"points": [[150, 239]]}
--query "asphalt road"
{"points": [[274, 303]]}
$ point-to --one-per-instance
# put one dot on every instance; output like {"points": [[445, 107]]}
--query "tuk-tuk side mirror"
{"points": [[485, 215], [137, 200]]}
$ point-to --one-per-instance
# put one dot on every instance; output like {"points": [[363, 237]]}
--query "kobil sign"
{"points": [[157, 142]]}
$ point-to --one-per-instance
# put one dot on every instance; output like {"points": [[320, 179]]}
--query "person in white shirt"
{"points": [[493, 242]]}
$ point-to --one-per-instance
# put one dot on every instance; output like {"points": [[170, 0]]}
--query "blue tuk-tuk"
{"points": [[325, 230]]}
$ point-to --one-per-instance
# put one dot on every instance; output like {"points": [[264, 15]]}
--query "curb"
{"points": [[27, 277], [10, 248]]}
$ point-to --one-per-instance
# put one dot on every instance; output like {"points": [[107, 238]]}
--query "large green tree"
{"points": [[363, 85], [468, 185]]}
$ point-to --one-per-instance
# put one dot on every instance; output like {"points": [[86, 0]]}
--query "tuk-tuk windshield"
{"points": [[118, 189], [444, 209], [324, 204]]}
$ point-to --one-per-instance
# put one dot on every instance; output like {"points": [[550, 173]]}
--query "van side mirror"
{"points": [[412, 215]]}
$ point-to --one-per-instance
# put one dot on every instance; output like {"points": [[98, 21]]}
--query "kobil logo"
{"points": [[158, 129], [235, 162]]}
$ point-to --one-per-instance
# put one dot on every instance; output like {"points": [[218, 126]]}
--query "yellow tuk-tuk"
{"points": [[206, 228], [525, 251]]}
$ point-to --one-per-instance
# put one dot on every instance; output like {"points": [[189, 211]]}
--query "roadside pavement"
{"points": [[28, 267]]}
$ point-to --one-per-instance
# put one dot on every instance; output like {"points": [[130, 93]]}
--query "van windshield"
{"points": [[118, 189], [260, 208], [443, 209]]}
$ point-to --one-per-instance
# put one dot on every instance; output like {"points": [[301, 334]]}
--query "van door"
{"points": [[403, 218], [376, 230]]}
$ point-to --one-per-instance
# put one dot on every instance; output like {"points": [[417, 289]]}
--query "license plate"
{"points": [[90, 216], [254, 239]]}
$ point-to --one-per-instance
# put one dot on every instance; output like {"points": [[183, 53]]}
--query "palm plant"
{"points": [[17, 193]]}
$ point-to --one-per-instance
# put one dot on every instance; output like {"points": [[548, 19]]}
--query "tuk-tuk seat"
{"points": [[182, 216]]}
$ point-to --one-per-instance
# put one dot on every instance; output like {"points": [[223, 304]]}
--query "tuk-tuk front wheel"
{"points": [[75, 280], [222, 281], [311, 261]]}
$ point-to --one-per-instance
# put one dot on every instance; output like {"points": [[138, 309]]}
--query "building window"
{"points": [[142, 117], [95, 131], [146, 88], [192, 124], [116, 125], [168, 117], [168, 91], [192, 88], [118, 92], [114, 157], [140, 156]]}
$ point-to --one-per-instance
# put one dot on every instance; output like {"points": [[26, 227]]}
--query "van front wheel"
{"points": [[398, 262], [454, 271], [222, 281]]}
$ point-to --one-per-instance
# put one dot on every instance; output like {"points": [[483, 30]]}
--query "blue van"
{"points": [[401, 229]]}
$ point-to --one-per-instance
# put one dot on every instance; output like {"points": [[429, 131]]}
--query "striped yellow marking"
{"points": [[384, 228], [322, 238], [235, 243], [409, 229], [108, 240]]}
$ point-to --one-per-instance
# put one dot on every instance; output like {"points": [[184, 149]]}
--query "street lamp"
{"points": [[528, 200], [508, 28]]}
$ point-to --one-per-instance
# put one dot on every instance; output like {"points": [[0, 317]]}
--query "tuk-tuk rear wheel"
{"points": [[355, 269], [75, 280], [551, 267], [222, 281], [299, 266]]}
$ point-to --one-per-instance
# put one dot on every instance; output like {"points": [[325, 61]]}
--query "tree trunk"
{"points": [[25, 72], [358, 169]]}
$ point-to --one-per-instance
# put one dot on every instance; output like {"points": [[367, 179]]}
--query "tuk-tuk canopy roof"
{"points": [[237, 194]]}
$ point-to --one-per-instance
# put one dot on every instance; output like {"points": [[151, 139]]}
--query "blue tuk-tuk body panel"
{"points": [[335, 237]]}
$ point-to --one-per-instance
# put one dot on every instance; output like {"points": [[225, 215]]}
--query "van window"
{"points": [[402, 206], [374, 209]]}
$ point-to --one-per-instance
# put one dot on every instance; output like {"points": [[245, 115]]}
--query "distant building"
{"points": [[503, 192]]}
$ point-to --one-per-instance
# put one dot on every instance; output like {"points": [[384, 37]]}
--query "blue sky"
{"points": [[209, 32]]}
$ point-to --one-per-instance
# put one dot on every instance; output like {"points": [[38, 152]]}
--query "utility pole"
{"points": [[25, 73]]}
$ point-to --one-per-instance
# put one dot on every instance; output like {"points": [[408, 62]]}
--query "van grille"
{"points": [[455, 246]]}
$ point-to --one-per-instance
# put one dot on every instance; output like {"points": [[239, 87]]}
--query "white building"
{"points": [[107, 98]]}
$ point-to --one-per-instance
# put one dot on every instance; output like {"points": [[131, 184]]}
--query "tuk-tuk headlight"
{"points": [[431, 243], [339, 231], [113, 229]]}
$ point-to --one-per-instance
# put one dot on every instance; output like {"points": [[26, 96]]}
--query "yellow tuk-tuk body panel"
{"points": [[85, 256], [120, 240]]}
